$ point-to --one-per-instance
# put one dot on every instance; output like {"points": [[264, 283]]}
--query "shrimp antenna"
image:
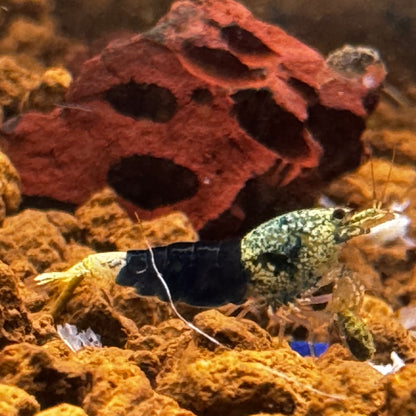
{"points": [[373, 184], [167, 291], [383, 195]]}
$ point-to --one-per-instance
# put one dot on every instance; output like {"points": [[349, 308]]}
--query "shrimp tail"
{"points": [[199, 274]]}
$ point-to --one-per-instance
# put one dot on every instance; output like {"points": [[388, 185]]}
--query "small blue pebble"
{"points": [[303, 348]]}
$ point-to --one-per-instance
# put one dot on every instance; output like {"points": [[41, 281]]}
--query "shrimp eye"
{"points": [[338, 214]]}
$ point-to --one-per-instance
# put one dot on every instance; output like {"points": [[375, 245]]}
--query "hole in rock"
{"points": [[264, 120], [202, 96], [305, 90], [53, 387], [339, 133], [151, 182], [142, 101], [242, 41], [218, 62]]}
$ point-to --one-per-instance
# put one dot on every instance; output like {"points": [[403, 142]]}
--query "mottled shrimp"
{"points": [[279, 262]]}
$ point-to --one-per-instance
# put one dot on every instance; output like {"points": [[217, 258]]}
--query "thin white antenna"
{"points": [[172, 305], [168, 294], [304, 386]]}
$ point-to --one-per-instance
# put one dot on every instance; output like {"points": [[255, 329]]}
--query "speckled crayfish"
{"points": [[284, 259]]}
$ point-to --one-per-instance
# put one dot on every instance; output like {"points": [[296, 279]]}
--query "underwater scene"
{"points": [[207, 207]]}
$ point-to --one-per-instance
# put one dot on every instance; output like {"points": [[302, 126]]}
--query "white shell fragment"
{"points": [[396, 365], [77, 340]]}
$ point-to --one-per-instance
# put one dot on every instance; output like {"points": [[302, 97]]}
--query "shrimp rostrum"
{"points": [[278, 262]]}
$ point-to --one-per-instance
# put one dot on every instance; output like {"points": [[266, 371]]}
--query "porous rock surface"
{"points": [[33, 54], [388, 332], [16, 402], [63, 409], [15, 324], [100, 382], [340, 374], [30, 242], [400, 397], [9, 187], [264, 376], [40, 373], [106, 226], [168, 368], [184, 115]]}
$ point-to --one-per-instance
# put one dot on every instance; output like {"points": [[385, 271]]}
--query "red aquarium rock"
{"points": [[184, 116]]}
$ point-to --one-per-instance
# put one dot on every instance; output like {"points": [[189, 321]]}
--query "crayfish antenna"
{"points": [[379, 203]]}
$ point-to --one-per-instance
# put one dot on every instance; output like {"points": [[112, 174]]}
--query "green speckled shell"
{"points": [[289, 254]]}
